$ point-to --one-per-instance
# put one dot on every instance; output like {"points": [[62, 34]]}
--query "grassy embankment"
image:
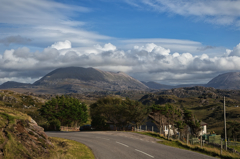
{"points": [[208, 150], [16, 142], [69, 149]]}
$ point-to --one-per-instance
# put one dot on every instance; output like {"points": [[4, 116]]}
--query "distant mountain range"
{"points": [[79, 79], [229, 81]]}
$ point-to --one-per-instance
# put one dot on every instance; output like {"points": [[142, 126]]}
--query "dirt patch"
{"points": [[20, 127]]}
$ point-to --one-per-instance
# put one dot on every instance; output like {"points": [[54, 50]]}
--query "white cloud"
{"points": [[62, 45], [150, 62], [174, 45], [107, 47], [235, 51]]}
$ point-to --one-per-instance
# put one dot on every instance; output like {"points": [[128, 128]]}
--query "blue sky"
{"points": [[167, 41]]}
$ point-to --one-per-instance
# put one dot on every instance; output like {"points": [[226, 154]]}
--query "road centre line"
{"points": [[122, 144], [144, 153]]}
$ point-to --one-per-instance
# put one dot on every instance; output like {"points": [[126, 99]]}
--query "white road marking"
{"points": [[144, 153], [122, 144], [102, 138]]}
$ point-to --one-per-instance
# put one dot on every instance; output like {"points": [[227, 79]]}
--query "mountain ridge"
{"points": [[79, 80]]}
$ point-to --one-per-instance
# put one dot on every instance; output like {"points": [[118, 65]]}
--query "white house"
{"points": [[204, 128], [202, 131]]}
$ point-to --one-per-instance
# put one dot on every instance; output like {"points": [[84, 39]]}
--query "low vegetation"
{"points": [[208, 150], [69, 149]]}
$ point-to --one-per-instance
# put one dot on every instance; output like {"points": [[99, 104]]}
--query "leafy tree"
{"points": [[158, 117], [192, 122], [233, 130], [176, 117], [66, 110], [120, 112]]}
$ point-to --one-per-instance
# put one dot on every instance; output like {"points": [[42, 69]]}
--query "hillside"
{"points": [[12, 84], [205, 103], [21, 137]]}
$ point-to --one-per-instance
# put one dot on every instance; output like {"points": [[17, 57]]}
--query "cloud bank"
{"points": [[41, 22], [149, 62]]}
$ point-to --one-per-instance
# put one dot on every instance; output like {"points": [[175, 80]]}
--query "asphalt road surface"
{"points": [[127, 145]]}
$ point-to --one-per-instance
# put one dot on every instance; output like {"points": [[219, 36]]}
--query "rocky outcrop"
{"points": [[32, 137], [21, 137]]}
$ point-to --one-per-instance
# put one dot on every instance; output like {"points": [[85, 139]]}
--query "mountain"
{"points": [[229, 80], [78, 80], [12, 84]]}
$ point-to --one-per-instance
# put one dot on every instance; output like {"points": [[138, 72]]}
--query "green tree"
{"points": [[120, 112], [158, 117], [66, 110], [233, 130], [192, 122]]}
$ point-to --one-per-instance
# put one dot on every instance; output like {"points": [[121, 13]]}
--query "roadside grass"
{"points": [[235, 147], [206, 149], [69, 149]]}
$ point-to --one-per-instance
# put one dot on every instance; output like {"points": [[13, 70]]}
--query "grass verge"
{"points": [[69, 149], [206, 149]]}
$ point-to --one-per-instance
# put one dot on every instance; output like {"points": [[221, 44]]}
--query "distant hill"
{"points": [[155, 85], [12, 84], [226, 81]]}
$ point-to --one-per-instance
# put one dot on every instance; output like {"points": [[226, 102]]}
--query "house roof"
{"points": [[203, 123]]}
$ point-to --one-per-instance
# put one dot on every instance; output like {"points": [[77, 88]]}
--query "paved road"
{"points": [[127, 145]]}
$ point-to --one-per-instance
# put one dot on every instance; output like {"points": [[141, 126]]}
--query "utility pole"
{"points": [[225, 126]]}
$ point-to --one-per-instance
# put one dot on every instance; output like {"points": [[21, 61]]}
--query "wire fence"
{"points": [[212, 140]]}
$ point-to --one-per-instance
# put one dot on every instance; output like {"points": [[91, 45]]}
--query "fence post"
{"points": [[140, 128], [201, 141], [187, 138], [146, 127], [221, 148], [152, 129], [179, 135]]}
